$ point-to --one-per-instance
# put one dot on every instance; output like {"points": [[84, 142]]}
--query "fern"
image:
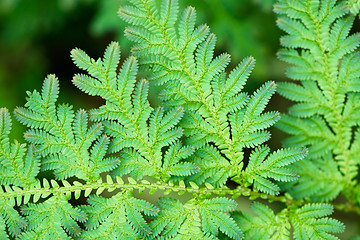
{"points": [[119, 216], [324, 60], [180, 57], [59, 135], [193, 144], [126, 120], [309, 222], [197, 219], [354, 6], [52, 219]]}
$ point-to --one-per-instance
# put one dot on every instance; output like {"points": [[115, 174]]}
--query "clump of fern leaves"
{"points": [[325, 63], [194, 143]]}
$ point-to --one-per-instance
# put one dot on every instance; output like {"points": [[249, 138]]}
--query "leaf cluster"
{"points": [[324, 57], [194, 143]]}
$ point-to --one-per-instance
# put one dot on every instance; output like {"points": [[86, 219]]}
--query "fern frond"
{"points": [[194, 75], [59, 135], [199, 219], [172, 163], [196, 142], [139, 132], [181, 58], [308, 132], [53, 218], [248, 125], [215, 169], [275, 166], [117, 217], [319, 179], [354, 6], [324, 57], [3, 234], [11, 219], [310, 222], [266, 225], [18, 165]]}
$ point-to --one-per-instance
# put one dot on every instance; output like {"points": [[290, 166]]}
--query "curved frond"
{"points": [[263, 167]]}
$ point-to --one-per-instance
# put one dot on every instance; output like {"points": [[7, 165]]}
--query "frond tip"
{"points": [[263, 167], [59, 134], [310, 222]]}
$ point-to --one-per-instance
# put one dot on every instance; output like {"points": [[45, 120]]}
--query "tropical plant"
{"points": [[206, 140]]}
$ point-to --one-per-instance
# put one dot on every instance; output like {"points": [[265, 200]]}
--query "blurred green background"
{"points": [[36, 37]]}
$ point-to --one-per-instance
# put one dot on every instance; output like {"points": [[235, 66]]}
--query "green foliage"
{"points": [[52, 219], [139, 132], [216, 111], [266, 225], [206, 140], [308, 222], [58, 135], [354, 6], [117, 218], [197, 219], [324, 60], [19, 165], [274, 166]]}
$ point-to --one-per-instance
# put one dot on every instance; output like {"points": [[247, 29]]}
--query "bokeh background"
{"points": [[36, 37]]}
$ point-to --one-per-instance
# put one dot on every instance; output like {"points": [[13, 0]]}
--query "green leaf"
{"points": [[54, 217], [265, 225], [138, 131], [58, 135], [182, 59], [176, 219], [118, 216], [18, 165], [262, 167], [309, 222]]}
